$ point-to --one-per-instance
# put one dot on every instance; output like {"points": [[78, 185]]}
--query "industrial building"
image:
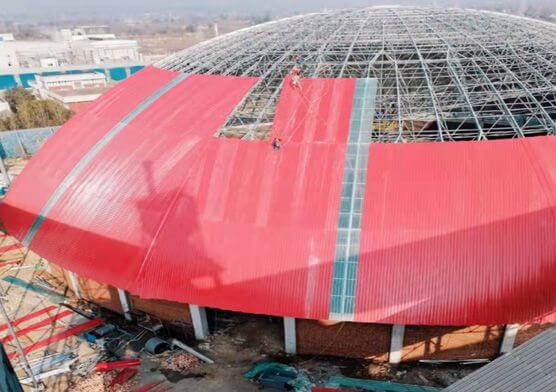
{"points": [[26, 77], [75, 91], [383, 179], [80, 46]]}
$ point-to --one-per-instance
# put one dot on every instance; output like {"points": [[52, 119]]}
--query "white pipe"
{"points": [[190, 350]]}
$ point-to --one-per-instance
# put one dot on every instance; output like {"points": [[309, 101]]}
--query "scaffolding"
{"points": [[443, 75]]}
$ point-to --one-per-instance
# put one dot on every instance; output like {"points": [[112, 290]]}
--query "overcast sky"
{"points": [[253, 7]]}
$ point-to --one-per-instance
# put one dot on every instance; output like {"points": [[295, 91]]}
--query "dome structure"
{"points": [[348, 218], [443, 74]]}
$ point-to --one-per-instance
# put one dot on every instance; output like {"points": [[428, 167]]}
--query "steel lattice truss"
{"points": [[442, 74]]}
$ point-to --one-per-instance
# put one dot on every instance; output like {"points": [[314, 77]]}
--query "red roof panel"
{"points": [[452, 233]]}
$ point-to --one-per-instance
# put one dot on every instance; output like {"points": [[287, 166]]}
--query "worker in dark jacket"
{"points": [[276, 143]]}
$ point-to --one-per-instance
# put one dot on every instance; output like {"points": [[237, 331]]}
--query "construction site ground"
{"points": [[238, 341]]}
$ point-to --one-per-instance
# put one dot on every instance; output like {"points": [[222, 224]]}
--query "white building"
{"points": [[105, 51], [28, 54], [72, 90], [8, 57], [70, 82], [85, 45], [49, 62], [84, 33], [6, 37], [4, 108]]}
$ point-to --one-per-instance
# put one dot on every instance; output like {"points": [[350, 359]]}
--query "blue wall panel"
{"points": [[23, 142], [26, 78], [137, 68], [118, 73], [7, 81]]}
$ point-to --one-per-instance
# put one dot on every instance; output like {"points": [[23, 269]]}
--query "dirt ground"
{"points": [[14, 166]]}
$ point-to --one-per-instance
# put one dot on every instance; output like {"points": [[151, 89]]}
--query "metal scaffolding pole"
{"points": [[18, 344]]}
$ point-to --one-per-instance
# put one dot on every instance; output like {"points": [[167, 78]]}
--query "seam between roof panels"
{"points": [[346, 257], [91, 154]]}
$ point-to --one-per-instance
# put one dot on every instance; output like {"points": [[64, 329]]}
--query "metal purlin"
{"points": [[92, 153], [346, 258]]}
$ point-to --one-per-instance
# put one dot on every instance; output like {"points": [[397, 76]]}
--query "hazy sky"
{"points": [[254, 7]]}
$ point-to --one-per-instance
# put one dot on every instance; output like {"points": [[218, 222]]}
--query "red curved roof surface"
{"points": [[137, 192]]}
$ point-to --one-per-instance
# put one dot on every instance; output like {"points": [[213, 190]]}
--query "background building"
{"points": [[105, 51], [79, 46], [85, 33], [75, 91], [6, 37]]}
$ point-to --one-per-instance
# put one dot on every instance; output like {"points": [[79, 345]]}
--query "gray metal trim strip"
{"points": [[91, 154]]}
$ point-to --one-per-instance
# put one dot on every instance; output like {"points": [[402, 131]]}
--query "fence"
{"points": [[23, 142]]}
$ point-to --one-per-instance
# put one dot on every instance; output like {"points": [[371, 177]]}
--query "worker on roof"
{"points": [[276, 143], [296, 76]]}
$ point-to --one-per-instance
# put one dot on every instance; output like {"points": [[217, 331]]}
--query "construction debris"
{"points": [[181, 362], [93, 382], [123, 377], [190, 350]]}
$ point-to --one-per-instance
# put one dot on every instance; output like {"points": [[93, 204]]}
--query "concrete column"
{"points": [[124, 301], [509, 338], [290, 339], [74, 284], [107, 74], [396, 344], [18, 80], [200, 324]]}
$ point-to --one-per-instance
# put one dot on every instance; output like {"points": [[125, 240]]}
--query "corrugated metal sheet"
{"points": [[451, 233], [261, 224], [529, 368], [459, 233], [55, 160]]}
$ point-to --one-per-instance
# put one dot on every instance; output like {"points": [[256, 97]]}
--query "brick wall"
{"points": [[372, 341]]}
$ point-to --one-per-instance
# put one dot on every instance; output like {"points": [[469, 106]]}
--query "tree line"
{"points": [[31, 112]]}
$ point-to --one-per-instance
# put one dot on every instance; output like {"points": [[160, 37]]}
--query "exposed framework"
{"points": [[443, 74]]}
